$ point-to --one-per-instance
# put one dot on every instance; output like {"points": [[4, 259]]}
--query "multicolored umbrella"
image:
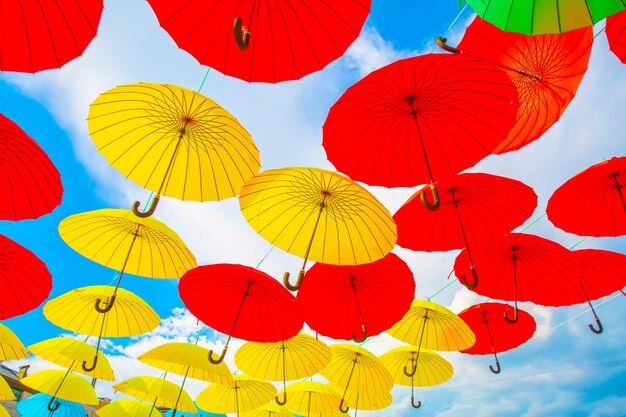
{"points": [[172, 141], [273, 41], [128, 408], [355, 302], [11, 347], [61, 384], [43, 35], [319, 215], [242, 302], [30, 184], [536, 18], [37, 406], [245, 394], [546, 69], [473, 208], [493, 332], [311, 398], [420, 119], [616, 35], [592, 202], [158, 391], [296, 358]]}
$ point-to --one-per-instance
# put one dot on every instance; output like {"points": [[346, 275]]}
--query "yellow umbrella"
{"points": [[6, 393], [61, 384], [4, 412], [269, 410], [71, 354], [432, 326], [427, 368], [158, 391], [172, 141], [319, 215], [312, 398], [10, 345], [354, 368], [295, 358], [128, 408], [245, 394]]}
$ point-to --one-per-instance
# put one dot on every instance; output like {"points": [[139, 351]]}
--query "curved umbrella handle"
{"points": [[92, 367], [150, 212], [435, 193], [242, 34], [441, 42], [108, 307], [600, 329], [220, 359], [283, 401], [341, 406], [474, 284], [515, 316], [413, 370], [296, 286], [415, 405], [55, 407], [363, 339], [497, 369]]}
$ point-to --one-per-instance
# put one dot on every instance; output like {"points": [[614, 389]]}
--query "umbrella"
{"points": [[428, 368], [37, 406], [311, 398], [172, 141], [245, 394], [128, 408], [523, 267], [592, 202], [319, 215], [616, 35], [546, 70], [25, 281], [11, 347], [200, 413], [432, 326], [354, 368], [4, 412], [61, 384], [30, 184], [493, 333], [6, 393], [273, 41], [158, 391], [346, 302], [535, 18], [474, 208], [420, 119], [188, 360], [242, 302], [268, 410], [44, 35], [71, 354], [296, 358]]}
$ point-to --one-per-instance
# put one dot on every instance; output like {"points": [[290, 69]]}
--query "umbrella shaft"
{"points": [[317, 222]]}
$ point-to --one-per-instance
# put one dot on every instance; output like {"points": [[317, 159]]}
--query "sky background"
{"points": [[564, 370]]}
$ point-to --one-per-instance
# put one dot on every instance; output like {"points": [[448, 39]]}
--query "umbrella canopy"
{"points": [[493, 333], [592, 202], [473, 208], [268, 410], [6, 393], [128, 408], [616, 34], [432, 326], [273, 41], [172, 141], [40, 35], [241, 302], [62, 384], [25, 281], [71, 353], [11, 347], [535, 18], [37, 406], [319, 215], [308, 397], [200, 413], [546, 69], [420, 119], [345, 302], [296, 358], [4, 412], [157, 391], [245, 394], [30, 184]]}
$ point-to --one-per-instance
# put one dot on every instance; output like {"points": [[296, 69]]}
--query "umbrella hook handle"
{"points": [[92, 367], [241, 33], [150, 211], [515, 316], [107, 307], [474, 284], [55, 407], [220, 359], [296, 286], [341, 406], [497, 369], [600, 329], [282, 401], [413, 370], [362, 339], [441, 42], [414, 404], [435, 193]]}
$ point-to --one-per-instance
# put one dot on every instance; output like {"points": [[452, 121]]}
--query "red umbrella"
{"points": [[546, 69], [493, 333], [473, 208], [593, 202], [616, 34], [38, 35], [418, 119], [242, 302], [364, 300], [30, 184], [523, 267], [25, 282], [273, 41]]}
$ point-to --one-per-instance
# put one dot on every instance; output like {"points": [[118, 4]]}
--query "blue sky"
{"points": [[285, 121]]}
